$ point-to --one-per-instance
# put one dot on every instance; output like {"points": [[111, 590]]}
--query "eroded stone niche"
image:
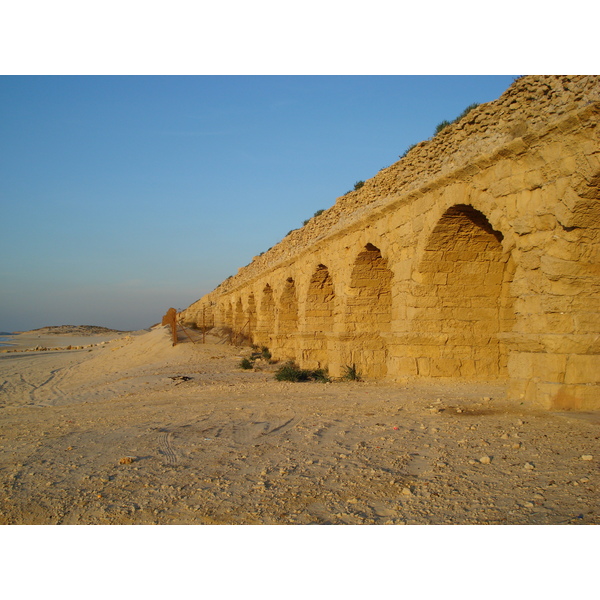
{"points": [[463, 296], [266, 319], [251, 315], [319, 319], [368, 312], [287, 322]]}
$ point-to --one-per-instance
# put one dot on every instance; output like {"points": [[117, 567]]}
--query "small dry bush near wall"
{"points": [[351, 373], [262, 354], [292, 372]]}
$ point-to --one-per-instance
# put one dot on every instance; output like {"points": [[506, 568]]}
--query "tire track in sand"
{"points": [[166, 448]]}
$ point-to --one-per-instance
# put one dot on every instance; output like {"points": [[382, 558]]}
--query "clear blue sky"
{"points": [[123, 196]]}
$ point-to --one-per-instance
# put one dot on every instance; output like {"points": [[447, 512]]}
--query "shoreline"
{"points": [[5, 340], [28, 341]]}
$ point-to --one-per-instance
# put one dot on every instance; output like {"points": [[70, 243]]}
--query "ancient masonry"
{"points": [[476, 256]]}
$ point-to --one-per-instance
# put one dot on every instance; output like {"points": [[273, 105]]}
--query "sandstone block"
{"points": [[406, 366], [487, 368], [551, 152], [460, 352], [445, 367], [424, 366], [468, 368], [546, 367], [546, 222], [582, 369], [566, 166], [568, 397], [587, 321], [523, 225], [564, 287], [533, 179], [570, 343], [554, 267]]}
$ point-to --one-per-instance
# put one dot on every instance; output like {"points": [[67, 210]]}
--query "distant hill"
{"points": [[75, 330]]}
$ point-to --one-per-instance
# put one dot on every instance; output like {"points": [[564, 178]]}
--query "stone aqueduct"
{"points": [[476, 256]]}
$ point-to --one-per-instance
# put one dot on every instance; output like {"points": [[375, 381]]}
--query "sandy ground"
{"points": [[136, 431]]}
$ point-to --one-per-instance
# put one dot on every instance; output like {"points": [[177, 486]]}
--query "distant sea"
{"points": [[4, 339]]}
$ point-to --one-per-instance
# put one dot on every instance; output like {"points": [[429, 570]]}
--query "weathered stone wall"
{"points": [[476, 256]]}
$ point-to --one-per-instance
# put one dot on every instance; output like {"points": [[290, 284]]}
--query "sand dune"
{"points": [[138, 431]]}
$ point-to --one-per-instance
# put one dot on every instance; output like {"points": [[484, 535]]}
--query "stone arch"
{"points": [[368, 311], [266, 317], [287, 319], [461, 299], [288, 309], [228, 311], [251, 317], [240, 323], [318, 318], [239, 317], [320, 301]]}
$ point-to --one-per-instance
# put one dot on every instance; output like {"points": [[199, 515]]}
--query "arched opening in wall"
{"points": [[226, 319], [267, 305], [287, 321], [319, 318], [319, 302], [228, 311], [240, 325], [251, 315], [288, 309], [240, 318], [369, 312], [462, 303], [266, 318]]}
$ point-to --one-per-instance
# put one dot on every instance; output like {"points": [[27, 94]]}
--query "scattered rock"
{"points": [[180, 378], [126, 460], [485, 460], [587, 457], [528, 466]]}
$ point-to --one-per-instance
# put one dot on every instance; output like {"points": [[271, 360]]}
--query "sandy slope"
{"points": [[231, 446]]}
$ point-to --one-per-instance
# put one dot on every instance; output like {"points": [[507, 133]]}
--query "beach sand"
{"points": [[136, 431]]}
